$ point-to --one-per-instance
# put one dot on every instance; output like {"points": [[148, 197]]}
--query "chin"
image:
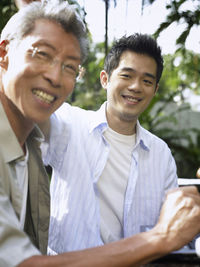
{"points": [[128, 117]]}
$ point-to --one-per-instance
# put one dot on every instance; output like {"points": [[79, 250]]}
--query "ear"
{"points": [[156, 89], [104, 79], [3, 52]]}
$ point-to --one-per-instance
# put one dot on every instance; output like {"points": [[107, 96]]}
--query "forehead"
{"points": [[47, 31], [137, 61]]}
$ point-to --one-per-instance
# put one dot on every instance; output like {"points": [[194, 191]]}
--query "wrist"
{"points": [[159, 241]]}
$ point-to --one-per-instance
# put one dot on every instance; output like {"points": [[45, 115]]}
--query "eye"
{"points": [[69, 68], [148, 82], [124, 75], [43, 55]]}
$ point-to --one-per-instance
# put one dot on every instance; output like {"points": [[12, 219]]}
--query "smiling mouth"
{"points": [[43, 96], [132, 99]]}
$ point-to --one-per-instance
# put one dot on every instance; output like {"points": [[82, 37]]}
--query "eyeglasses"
{"points": [[45, 59]]}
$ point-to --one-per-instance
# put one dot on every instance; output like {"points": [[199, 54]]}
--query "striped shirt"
{"points": [[78, 152]]}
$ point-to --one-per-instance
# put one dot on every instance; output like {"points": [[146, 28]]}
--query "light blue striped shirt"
{"points": [[77, 151]]}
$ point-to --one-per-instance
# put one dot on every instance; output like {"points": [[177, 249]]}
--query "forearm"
{"points": [[133, 251], [177, 225]]}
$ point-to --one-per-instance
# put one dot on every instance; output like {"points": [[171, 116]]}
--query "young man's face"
{"points": [[130, 87], [38, 73]]}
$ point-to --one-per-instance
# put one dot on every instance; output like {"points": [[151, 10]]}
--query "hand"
{"points": [[179, 217], [21, 3]]}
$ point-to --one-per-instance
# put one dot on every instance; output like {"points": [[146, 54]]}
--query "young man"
{"points": [[110, 174], [40, 51]]}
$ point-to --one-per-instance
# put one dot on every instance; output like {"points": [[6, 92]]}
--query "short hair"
{"points": [[138, 43], [23, 22]]}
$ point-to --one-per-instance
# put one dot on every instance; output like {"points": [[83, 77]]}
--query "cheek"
{"points": [[150, 92], [114, 93], [15, 79], [68, 89], [111, 90], [9, 89], [149, 96], [17, 73], [20, 77]]}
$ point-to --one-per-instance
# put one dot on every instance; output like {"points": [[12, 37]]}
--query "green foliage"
{"points": [[162, 120], [7, 9], [88, 92], [162, 116], [187, 156], [182, 71], [178, 14]]}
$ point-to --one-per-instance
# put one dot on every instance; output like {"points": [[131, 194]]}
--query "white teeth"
{"points": [[132, 99], [44, 96]]}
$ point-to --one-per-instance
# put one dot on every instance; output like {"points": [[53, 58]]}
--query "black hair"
{"points": [[138, 43]]}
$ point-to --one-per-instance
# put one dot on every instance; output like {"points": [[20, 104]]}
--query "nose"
{"points": [[135, 85], [53, 74]]}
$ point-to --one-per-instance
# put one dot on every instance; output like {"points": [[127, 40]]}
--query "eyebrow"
{"points": [[45, 43], [128, 69]]}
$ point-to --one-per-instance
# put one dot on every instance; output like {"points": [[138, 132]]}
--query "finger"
{"points": [[191, 194], [192, 189], [185, 190]]}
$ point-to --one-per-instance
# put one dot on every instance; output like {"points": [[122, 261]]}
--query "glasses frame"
{"points": [[50, 62]]}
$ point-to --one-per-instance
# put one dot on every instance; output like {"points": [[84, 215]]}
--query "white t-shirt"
{"points": [[112, 184]]}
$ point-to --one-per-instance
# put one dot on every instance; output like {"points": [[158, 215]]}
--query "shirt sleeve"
{"points": [[54, 148], [15, 245], [171, 180]]}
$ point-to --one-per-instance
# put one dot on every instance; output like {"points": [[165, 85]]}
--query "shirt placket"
{"points": [[128, 201]]}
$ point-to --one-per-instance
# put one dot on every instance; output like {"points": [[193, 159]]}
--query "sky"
{"points": [[126, 18]]}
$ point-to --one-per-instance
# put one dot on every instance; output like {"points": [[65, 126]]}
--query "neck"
{"points": [[20, 125], [121, 126]]}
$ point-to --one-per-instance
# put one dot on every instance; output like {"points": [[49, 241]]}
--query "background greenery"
{"points": [[160, 118]]}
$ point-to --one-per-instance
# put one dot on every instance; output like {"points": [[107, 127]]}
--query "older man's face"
{"points": [[39, 71]]}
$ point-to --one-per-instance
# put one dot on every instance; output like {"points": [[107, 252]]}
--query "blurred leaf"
{"points": [[177, 15]]}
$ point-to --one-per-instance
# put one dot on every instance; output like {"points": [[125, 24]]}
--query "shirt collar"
{"points": [[38, 134], [99, 121], [10, 147], [142, 137]]}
